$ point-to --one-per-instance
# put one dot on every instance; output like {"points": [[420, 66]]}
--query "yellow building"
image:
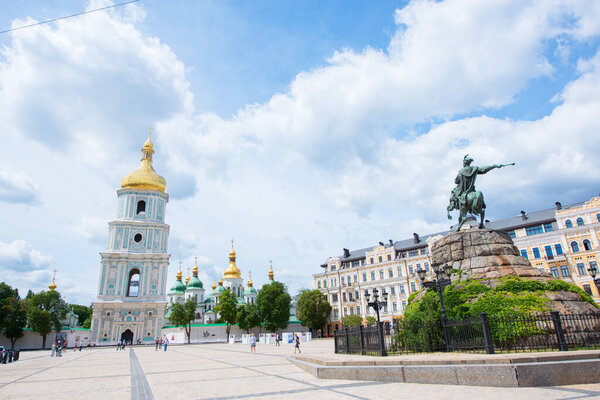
{"points": [[562, 240]]}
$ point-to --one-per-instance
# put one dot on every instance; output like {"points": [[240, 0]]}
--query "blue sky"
{"points": [[295, 127]]}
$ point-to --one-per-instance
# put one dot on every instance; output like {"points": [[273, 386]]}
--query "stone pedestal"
{"points": [[483, 253]]}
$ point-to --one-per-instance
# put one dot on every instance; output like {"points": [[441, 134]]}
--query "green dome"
{"points": [[194, 283], [250, 291], [240, 301], [220, 289], [178, 287]]}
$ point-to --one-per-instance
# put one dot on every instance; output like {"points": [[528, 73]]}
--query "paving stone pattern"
{"points": [[222, 371]]}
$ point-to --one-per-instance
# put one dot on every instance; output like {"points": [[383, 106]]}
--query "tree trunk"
{"points": [[44, 342], [12, 343], [188, 330]]}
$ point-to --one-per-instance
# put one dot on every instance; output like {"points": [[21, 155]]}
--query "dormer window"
{"points": [[141, 207]]}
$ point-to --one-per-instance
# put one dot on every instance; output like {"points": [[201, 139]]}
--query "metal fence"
{"points": [[515, 332]]}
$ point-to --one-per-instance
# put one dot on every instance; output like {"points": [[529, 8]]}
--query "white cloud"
{"points": [[17, 188], [333, 162], [19, 255]]}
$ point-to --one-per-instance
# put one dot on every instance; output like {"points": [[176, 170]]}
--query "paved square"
{"points": [[221, 371]]}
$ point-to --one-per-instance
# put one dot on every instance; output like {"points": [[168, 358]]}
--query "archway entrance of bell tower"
{"points": [[127, 336]]}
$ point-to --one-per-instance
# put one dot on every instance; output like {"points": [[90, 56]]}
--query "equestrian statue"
{"points": [[464, 196]]}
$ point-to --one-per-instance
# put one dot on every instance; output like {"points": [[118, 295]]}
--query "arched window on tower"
{"points": [[575, 247], [587, 245], [141, 207], [133, 286]]}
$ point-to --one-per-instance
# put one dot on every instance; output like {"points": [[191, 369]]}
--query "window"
{"points": [[536, 252], [357, 310], [579, 221], [357, 296], [587, 289], [598, 217], [333, 267], [399, 271], [350, 296], [512, 234], [393, 290], [554, 271], [137, 237], [355, 278], [372, 275], [335, 312], [343, 280], [389, 257], [401, 288], [355, 264], [324, 283], [427, 266], [385, 308], [133, 287], [410, 269], [549, 254], [593, 265], [141, 207], [413, 287], [380, 259], [371, 260], [381, 274], [524, 254], [318, 284], [413, 253], [581, 268], [351, 310], [534, 230], [334, 297], [548, 227], [564, 271], [568, 223], [558, 249], [574, 247], [587, 245], [345, 312], [418, 266], [364, 276], [423, 251], [390, 273], [403, 304]]}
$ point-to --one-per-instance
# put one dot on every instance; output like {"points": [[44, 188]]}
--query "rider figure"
{"points": [[465, 180]]}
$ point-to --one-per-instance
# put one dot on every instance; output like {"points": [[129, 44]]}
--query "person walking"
{"points": [[156, 344], [166, 343], [53, 349], [118, 345], [297, 345], [277, 340], [59, 349], [252, 343]]}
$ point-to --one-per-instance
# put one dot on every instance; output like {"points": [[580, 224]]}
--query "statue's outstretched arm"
{"points": [[487, 168]]}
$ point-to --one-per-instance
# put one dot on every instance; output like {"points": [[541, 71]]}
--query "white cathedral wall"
{"points": [[217, 333]]}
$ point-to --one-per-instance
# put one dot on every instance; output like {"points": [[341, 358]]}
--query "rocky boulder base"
{"points": [[482, 254]]}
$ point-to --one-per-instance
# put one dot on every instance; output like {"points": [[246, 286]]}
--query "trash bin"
{"points": [[16, 355]]}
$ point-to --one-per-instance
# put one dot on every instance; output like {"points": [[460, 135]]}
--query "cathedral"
{"points": [[130, 303], [205, 305]]}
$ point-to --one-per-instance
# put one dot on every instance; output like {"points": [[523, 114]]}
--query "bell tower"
{"points": [[131, 297]]}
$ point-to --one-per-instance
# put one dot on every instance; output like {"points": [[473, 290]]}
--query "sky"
{"points": [[295, 128]]}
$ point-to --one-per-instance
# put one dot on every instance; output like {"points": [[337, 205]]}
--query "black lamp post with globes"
{"points": [[441, 281]]}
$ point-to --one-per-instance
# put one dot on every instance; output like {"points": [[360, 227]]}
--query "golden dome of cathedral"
{"points": [[145, 177], [232, 270]]}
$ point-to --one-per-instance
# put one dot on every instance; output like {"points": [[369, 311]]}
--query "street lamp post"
{"points": [[593, 270], [442, 279], [376, 304]]}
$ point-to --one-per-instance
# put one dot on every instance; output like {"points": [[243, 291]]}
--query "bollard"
{"points": [[560, 334], [487, 336]]}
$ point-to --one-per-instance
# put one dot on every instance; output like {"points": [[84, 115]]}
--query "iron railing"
{"points": [[514, 332]]}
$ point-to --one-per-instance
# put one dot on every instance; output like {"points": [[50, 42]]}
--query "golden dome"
{"points": [[52, 286], [232, 270], [179, 275], [271, 271], [145, 177], [214, 285], [220, 281], [187, 280], [249, 279]]}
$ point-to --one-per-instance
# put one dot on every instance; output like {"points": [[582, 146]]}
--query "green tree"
{"points": [[46, 306], [248, 317], [273, 302], [370, 320], [82, 312], [87, 324], [352, 321], [227, 309], [40, 321], [312, 309], [183, 315], [13, 314]]}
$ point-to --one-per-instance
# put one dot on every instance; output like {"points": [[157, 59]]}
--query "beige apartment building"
{"points": [[563, 240]]}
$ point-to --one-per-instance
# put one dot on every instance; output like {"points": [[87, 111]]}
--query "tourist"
{"points": [[59, 349], [252, 343], [156, 344], [166, 343], [277, 340], [80, 345], [53, 349], [297, 346], [118, 345]]}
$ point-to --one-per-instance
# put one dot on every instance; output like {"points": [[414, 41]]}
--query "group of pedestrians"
{"points": [[161, 343], [57, 348], [277, 343], [121, 344]]}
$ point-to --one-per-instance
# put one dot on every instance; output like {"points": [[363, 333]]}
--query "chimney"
{"points": [[416, 238], [381, 244], [523, 215], [391, 242], [558, 205], [346, 253]]}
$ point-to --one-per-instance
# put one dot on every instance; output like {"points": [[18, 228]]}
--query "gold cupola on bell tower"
{"points": [[232, 270], [145, 177]]}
